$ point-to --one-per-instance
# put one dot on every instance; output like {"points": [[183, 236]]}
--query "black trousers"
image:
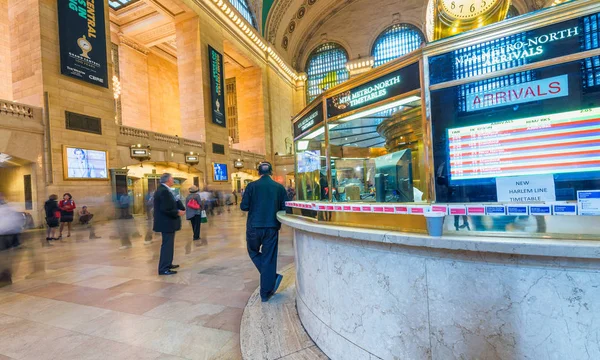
{"points": [[265, 258], [196, 221], [166, 252]]}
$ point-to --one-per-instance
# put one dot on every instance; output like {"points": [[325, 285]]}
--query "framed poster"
{"points": [[217, 91], [82, 37], [84, 164], [220, 172]]}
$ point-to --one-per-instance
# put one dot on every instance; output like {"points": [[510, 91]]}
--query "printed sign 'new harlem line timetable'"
{"points": [[566, 142]]}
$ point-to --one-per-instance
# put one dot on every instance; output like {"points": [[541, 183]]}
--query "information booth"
{"points": [[499, 128]]}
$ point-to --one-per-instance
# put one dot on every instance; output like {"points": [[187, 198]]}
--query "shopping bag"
{"points": [[203, 218], [193, 204]]}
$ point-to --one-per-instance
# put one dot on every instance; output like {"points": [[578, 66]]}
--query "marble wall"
{"points": [[370, 299]]}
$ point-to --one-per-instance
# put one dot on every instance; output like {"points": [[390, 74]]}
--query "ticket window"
{"points": [[311, 167], [378, 157], [544, 131]]}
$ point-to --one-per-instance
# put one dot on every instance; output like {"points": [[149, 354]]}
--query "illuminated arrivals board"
{"points": [[566, 142]]}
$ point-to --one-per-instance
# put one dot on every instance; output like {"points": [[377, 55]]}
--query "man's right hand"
{"points": [[181, 212]]}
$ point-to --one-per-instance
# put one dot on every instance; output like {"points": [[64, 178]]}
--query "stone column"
{"points": [[191, 90], [5, 61]]}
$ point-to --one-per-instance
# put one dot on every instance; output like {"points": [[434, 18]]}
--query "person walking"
{"points": [[52, 218], [167, 221], [262, 200], [193, 210], [67, 208]]}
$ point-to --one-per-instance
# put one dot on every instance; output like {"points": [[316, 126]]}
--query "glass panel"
{"points": [[396, 41], [117, 5], [311, 167], [326, 68], [379, 157], [242, 7]]}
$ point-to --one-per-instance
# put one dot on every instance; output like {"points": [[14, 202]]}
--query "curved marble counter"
{"points": [[367, 294]]}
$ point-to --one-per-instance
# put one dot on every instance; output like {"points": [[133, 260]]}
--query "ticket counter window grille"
{"points": [[242, 7], [326, 68], [396, 41]]}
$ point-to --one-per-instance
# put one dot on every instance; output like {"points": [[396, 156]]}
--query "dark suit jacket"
{"points": [[166, 211], [263, 198]]}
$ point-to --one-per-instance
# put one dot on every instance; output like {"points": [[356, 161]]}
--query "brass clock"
{"points": [[452, 17]]}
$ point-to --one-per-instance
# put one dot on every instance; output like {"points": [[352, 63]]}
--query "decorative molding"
{"points": [[274, 19], [133, 45], [157, 33]]}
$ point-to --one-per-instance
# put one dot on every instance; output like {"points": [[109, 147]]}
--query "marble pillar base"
{"points": [[381, 295]]}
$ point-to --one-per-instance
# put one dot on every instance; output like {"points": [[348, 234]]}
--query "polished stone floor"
{"points": [[90, 299]]}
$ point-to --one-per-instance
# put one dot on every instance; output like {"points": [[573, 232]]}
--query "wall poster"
{"points": [[217, 91], [82, 38]]}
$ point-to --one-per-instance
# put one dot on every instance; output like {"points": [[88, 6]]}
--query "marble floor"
{"points": [[90, 299]]}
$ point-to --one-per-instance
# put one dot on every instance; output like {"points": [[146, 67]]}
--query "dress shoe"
{"points": [[277, 283], [173, 266], [168, 272]]}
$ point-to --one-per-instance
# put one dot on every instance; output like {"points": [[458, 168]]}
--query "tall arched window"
{"points": [[512, 12], [326, 67], [244, 9], [395, 41]]}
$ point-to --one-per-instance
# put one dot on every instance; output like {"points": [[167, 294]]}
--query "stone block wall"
{"points": [[163, 86], [5, 59], [135, 93]]}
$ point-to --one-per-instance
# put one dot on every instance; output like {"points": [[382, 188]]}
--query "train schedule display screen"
{"points": [[561, 143]]}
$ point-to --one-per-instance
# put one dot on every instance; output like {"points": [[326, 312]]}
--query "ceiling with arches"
{"points": [[296, 27]]}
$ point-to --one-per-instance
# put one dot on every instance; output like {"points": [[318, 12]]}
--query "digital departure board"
{"points": [[567, 142]]}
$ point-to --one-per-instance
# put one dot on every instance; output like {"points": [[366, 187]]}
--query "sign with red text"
{"points": [[550, 88]]}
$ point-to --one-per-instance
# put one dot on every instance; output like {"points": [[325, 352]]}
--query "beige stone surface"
{"points": [[5, 59], [135, 93], [163, 86]]}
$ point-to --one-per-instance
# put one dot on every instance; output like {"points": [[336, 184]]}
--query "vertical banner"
{"points": [[217, 91], [82, 37]]}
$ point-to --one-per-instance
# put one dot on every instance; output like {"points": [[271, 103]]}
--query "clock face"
{"points": [[467, 9]]}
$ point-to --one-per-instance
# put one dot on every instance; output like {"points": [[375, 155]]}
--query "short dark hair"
{"points": [[69, 195], [265, 168], [53, 197], [165, 177]]}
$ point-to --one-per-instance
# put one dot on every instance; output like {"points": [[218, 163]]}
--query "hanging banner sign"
{"points": [[217, 91], [385, 87], [559, 39], [553, 87], [308, 121], [82, 37]]}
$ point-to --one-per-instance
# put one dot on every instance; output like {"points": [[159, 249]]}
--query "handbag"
{"points": [[203, 218], [57, 214], [193, 204]]}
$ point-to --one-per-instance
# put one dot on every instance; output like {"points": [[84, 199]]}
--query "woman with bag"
{"points": [[193, 210], [52, 217], [67, 208]]}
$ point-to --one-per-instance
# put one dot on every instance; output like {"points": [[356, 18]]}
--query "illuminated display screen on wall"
{"points": [[567, 142], [220, 173], [83, 164]]}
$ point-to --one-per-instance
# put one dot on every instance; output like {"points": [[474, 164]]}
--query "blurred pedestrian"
{"points": [[85, 218], [52, 218], [167, 221], [67, 208], [193, 211], [234, 192], [149, 204], [263, 199]]}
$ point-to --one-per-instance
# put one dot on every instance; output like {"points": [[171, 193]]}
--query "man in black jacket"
{"points": [[263, 199], [167, 220]]}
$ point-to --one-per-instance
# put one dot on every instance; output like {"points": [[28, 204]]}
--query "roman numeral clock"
{"points": [[453, 17]]}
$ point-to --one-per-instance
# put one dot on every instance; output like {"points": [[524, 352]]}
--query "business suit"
{"points": [[166, 221], [263, 199]]}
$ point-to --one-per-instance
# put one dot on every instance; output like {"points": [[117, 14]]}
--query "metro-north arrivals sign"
{"points": [[82, 37], [553, 87]]}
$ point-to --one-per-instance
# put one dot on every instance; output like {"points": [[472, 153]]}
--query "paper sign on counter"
{"points": [[588, 202], [524, 189]]}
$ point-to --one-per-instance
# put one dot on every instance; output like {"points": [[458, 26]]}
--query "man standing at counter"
{"points": [[262, 199]]}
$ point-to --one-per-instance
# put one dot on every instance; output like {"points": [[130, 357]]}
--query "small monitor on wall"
{"points": [[84, 164], [220, 172]]}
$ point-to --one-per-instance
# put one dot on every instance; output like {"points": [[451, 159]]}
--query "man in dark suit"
{"points": [[263, 199], [167, 220]]}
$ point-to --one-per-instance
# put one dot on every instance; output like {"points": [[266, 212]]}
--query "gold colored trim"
{"points": [[327, 154], [427, 131], [397, 222], [537, 65], [66, 168], [515, 25], [372, 106]]}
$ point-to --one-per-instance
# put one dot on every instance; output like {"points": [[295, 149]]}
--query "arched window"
{"points": [[395, 41], [326, 67], [512, 12], [244, 9]]}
